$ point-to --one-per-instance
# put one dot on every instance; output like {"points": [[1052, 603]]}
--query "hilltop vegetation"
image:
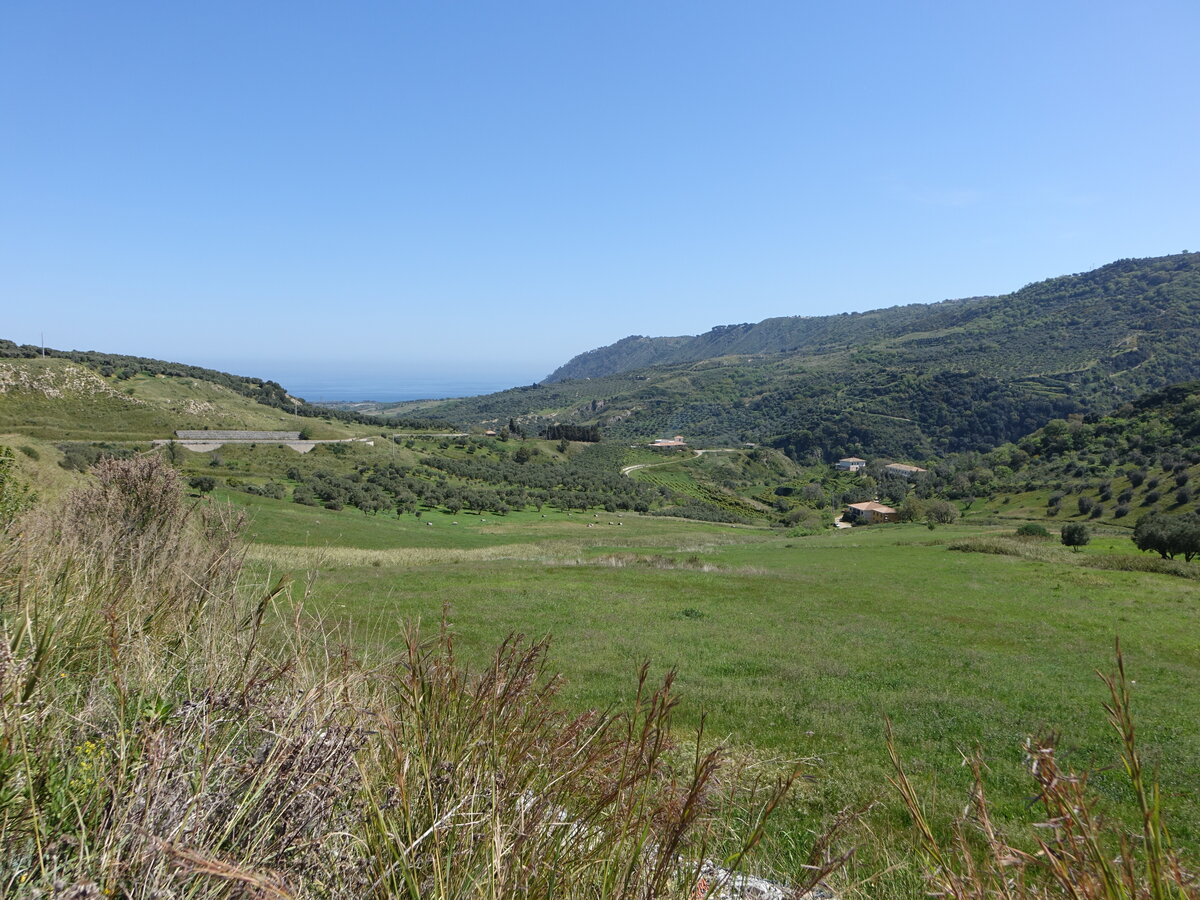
{"points": [[911, 382], [1115, 317], [120, 371]]}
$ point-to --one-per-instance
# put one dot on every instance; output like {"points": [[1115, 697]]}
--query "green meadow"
{"points": [[794, 647]]}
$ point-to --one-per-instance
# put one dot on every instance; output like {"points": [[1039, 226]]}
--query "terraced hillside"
{"points": [[916, 381]]}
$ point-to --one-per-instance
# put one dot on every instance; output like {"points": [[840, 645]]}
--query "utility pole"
{"points": [[43, 345]]}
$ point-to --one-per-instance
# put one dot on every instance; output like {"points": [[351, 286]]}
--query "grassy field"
{"points": [[794, 648]]}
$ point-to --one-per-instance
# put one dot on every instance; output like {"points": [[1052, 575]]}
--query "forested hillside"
{"points": [[916, 381], [1063, 323]]}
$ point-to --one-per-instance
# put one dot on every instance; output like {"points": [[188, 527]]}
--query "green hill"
{"points": [[1115, 317], [57, 399], [65, 412], [916, 381], [118, 368], [913, 382], [1142, 458]]}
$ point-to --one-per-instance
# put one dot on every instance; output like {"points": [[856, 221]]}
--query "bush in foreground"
{"points": [[164, 732]]}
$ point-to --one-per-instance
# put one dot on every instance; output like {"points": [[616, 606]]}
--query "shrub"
{"points": [[1032, 529], [1003, 546], [303, 494], [1128, 562], [202, 483]]}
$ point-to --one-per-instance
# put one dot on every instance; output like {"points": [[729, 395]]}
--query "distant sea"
{"points": [[323, 390]]}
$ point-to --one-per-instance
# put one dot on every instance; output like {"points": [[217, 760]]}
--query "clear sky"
{"points": [[485, 189]]}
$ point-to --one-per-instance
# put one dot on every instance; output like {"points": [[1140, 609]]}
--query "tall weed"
{"points": [[170, 730], [1077, 853]]}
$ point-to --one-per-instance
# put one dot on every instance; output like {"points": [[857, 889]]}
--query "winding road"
{"points": [[625, 470]]}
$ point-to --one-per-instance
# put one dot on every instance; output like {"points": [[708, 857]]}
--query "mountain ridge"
{"points": [[909, 381], [795, 334]]}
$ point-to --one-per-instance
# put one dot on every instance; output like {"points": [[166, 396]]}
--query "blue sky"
{"points": [[483, 190]]}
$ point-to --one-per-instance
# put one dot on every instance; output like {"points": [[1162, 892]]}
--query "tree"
{"points": [[1075, 535], [913, 510], [941, 512], [203, 483], [1169, 535]]}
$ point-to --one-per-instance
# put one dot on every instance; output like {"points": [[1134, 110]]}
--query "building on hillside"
{"points": [[678, 443], [869, 513], [904, 471], [850, 464]]}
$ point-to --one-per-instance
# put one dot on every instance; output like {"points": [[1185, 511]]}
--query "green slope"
{"points": [[917, 381], [62, 400]]}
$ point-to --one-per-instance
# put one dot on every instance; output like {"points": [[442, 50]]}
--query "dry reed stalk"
{"points": [[165, 731], [1077, 854]]}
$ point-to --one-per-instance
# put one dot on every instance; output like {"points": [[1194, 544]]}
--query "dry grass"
{"points": [[1077, 854], [287, 557], [1047, 552], [168, 731]]}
